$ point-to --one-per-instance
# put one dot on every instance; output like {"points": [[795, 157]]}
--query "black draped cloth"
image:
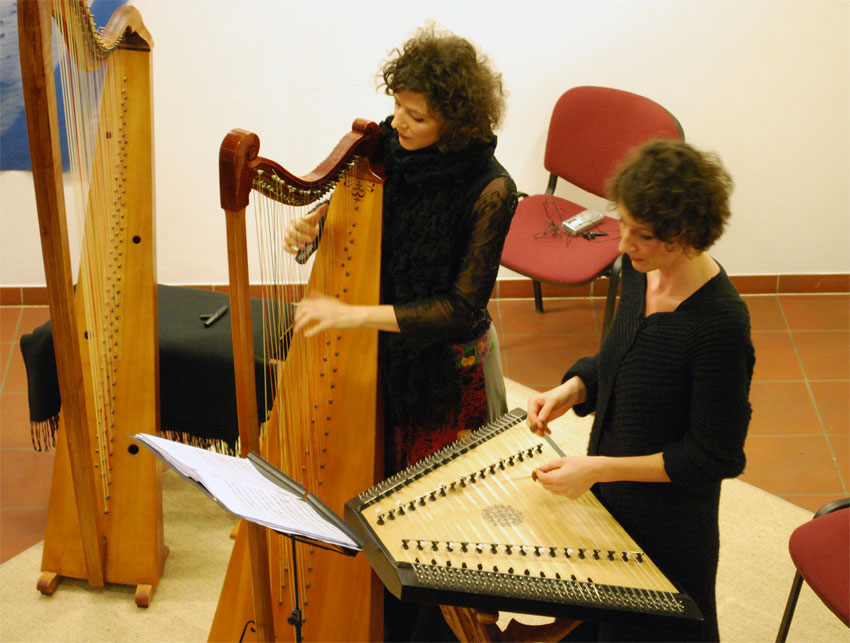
{"points": [[197, 385]]}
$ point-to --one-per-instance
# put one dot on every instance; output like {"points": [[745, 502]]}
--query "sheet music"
{"points": [[239, 487]]}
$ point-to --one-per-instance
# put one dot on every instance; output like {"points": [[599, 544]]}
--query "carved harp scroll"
{"points": [[322, 429], [105, 515]]}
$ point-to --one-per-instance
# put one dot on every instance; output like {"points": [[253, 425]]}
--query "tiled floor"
{"points": [[799, 439]]}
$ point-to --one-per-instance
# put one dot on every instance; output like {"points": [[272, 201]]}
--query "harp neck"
{"points": [[240, 163]]}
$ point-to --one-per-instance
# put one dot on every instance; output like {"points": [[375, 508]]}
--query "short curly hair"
{"points": [[680, 192], [457, 82]]}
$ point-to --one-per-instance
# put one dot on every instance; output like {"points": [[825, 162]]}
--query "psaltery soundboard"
{"points": [[469, 526]]}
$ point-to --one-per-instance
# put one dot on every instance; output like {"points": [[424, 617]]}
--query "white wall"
{"points": [[764, 83]]}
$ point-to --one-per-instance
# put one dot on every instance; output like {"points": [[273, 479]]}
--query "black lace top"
{"points": [[446, 216]]}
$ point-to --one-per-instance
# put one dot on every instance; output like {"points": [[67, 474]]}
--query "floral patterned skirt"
{"points": [[411, 442]]}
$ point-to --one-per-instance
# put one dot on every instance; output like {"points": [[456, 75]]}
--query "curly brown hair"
{"points": [[680, 192], [457, 82]]}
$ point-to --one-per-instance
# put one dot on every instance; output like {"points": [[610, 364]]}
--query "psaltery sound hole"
{"points": [[133, 449], [502, 515], [137, 239]]}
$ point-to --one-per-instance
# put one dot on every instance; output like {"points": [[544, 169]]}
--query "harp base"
{"points": [[49, 581]]}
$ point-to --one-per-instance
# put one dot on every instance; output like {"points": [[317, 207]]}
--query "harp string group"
{"points": [[95, 104], [301, 438]]}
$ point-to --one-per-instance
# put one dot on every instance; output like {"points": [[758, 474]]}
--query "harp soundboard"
{"points": [[468, 526]]}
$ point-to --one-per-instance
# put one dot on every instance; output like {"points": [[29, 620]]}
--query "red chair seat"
{"points": [[545, 257], [820, 550]]}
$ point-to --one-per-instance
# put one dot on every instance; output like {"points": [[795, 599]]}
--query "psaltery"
{"points": [[322, 430], [104, 520], [469, 526]]}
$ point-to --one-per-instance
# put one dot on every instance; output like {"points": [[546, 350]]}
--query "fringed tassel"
{"points": [[44, 433], [219, 446]]}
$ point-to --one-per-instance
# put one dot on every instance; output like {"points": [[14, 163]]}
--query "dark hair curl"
{"points": [[459, 87], [680, 192]]}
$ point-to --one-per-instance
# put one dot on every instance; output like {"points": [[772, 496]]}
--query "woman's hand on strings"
{"points": [[302, 231], [318, 312], [545, 407], [570, 476]]}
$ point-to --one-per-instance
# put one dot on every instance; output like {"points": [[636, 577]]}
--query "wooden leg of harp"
{"points": [[144, 595], [471, 625], [47, 582]]}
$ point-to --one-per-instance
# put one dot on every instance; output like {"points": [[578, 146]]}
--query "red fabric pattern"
{"points": [[410, 443]]}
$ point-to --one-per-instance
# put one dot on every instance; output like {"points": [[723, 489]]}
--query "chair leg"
{"points": [[538, 296], [611, 299], [789, 608]]}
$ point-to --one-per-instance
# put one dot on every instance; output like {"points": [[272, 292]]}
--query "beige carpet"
{"points": [[754, 578]]}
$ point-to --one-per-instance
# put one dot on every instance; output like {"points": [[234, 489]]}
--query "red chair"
{"points": [[591, 130], [820, 550]]}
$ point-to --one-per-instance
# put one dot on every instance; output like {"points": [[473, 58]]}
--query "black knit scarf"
{"points": [[428, 200]]}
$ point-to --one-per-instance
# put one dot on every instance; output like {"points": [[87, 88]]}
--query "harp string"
{"points": [[93, 105]]}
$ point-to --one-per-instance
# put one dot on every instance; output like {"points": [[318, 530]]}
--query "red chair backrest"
{"points": [[592, 129]]}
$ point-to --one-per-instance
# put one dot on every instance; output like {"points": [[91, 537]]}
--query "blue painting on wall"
{"points": [[14, 148]]}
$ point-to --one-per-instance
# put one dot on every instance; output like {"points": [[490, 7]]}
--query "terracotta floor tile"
{"points": [[841, 448], [31, 318], [776, 359], [825, 355], [833, 403], [25, 478], [823, 312], [812, 502], [539, 361], [561, 316], [9, 316], [765, 313], [782, 408], [20, 529], [14, 421], [6, 349], [16, 373], [785, 465]]}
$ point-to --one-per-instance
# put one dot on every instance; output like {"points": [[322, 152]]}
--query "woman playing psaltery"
{"points": [[670, 384]]}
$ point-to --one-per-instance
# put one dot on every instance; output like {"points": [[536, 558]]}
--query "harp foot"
{"points": [[144, 595], [47, 583]]}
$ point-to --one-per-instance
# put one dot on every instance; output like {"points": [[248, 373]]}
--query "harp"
{"points": [[104, 519], [322, 429], [469, 527]]}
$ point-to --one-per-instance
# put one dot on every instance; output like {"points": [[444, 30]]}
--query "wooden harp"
{"points": [[323, 428], [105, 515]]}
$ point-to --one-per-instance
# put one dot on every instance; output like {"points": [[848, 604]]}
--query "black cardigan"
{"points": [[676, 383]]}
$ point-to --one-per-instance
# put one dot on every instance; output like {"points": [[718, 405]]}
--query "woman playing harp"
{"points": [[447, 207]]}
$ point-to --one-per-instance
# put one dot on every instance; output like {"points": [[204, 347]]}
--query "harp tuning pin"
{"points": [[463, 547], [552, 552], [581, 553], [419, 545], [595, 554], [610, 555], [494, 548], [625, 557], [404, 544], [380, 519]]}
